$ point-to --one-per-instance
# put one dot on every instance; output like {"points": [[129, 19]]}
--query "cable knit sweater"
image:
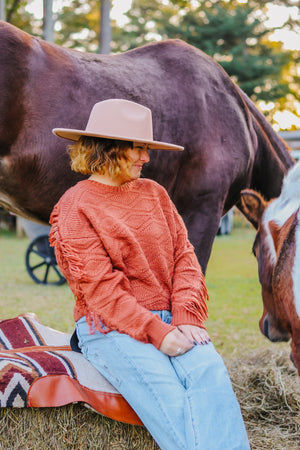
{"points": [[124, 251]]}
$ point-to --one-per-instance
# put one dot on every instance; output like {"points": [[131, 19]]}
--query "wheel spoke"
{"points": [[40, 248], [36, 251], [57, 272], [46, 274], [37, 265]]}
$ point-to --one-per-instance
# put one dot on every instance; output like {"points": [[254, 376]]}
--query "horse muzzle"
{"points": [[274, 332]]}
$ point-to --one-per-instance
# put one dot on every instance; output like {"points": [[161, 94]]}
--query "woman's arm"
{"points": [[189, 295], [101, 290]]}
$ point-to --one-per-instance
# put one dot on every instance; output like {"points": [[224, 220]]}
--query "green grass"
{"points": [[19, 294], [235, 304]]}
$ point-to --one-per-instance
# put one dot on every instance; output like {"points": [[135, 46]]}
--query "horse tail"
{"points": [[269, 133], [272, 159]]}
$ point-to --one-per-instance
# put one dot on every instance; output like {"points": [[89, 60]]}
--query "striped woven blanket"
{"points": [[39, 369]]}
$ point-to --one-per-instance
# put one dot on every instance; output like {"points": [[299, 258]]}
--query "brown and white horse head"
{"points": [[277, 249]]}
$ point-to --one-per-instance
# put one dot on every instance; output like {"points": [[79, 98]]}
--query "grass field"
{"points": [[235, 303], [235, 307]]}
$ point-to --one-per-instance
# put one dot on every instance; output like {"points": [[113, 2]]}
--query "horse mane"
{"points": [[291, 183], [289, 200]]}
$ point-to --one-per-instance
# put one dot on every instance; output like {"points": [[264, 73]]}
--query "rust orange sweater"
{"points": [[124, 251]]}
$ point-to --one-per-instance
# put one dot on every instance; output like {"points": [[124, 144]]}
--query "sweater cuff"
{"points": [[159, 330], [185, 317]]}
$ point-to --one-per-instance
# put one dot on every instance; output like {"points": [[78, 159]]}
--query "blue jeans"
{"points": [[186, 402]]}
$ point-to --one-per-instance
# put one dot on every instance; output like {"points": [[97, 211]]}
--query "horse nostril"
{"points": [[266, 327]]}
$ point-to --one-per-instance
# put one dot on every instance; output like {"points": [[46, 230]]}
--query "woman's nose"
{"points": [[144, 155]]}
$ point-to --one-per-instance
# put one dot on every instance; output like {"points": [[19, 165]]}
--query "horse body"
{"points": [[228, 144], [277, 248]]}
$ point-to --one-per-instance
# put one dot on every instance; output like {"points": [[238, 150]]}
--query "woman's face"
{"points": [[137, 157]]}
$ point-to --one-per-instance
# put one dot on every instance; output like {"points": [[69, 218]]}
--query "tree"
{"points": [[85, 26], [16, 14], [232, 33]]}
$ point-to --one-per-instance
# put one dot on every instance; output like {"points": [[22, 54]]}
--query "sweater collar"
{"points": [[105, 188]]}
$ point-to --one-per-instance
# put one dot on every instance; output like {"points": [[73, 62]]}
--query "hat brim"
{"points": [[74, 135]]}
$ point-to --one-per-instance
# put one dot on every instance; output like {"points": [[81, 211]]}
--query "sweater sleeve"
{"points": [[189, 294], [103, 292]]}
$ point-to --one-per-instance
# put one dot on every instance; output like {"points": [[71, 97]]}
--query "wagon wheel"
{"points": [[41, 262]]}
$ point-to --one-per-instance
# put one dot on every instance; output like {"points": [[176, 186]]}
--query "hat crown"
{"points": [[121, 118]]}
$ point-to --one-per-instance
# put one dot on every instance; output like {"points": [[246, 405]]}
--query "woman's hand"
{"points": [[176, 343], [194, 333]]}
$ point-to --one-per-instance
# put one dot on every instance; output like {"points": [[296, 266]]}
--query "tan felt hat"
{"points": [[119, 119]]}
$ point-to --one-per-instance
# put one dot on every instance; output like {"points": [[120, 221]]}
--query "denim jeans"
{"points": [[186, 402]]}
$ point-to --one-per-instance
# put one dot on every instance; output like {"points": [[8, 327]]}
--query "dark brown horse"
{"points": [[228, 144], [277, 249]]}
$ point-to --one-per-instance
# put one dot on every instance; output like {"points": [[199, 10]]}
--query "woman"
{"points": [[140, 292]]}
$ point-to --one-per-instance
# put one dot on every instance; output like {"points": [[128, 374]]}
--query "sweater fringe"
{"points": [[96, 324], [199, 307], [204, 298], [67, 256]]}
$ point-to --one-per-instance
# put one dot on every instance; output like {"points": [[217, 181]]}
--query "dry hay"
{"points": [[267, 386], [71, 427], [265, 381]]}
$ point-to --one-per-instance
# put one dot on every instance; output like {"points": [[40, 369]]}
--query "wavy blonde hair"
{"points": [[91, 155]]}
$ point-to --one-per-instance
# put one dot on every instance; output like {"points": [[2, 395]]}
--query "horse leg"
{"points": [[202, 219], [296, 348]]}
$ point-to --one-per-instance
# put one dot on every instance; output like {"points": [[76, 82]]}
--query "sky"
{"points": [[278, 16]]}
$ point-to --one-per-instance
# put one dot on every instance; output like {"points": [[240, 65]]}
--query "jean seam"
{"points": [[192, 419], [187, 376], [131, 362], [186, 385]]}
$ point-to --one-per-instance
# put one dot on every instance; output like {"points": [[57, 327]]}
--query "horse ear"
{"points": [[252, 205]]}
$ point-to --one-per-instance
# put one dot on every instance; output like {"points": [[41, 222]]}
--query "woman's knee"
{"points": [[200, 364]]}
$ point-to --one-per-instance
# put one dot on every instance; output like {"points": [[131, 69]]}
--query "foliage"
{"points": [[78, 25], [232, 33], [17, 15]]}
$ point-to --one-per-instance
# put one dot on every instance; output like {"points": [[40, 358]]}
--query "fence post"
{"points": [[2, 10], [48, 34]]}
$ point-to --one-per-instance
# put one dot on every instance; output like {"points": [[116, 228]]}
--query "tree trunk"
{"points": [[105, 28], [48, 22]]}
